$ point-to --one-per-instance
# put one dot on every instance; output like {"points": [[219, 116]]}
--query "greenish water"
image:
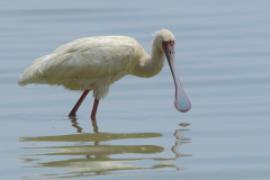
{"points": [[222, 53]]}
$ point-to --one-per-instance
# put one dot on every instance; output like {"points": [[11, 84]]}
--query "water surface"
{"points": [[222, 53]]}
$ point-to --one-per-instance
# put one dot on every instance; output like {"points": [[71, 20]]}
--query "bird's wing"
{"points": [[83, 59]]}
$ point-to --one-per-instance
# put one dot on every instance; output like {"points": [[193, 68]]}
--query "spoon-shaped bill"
{"points": [[181, 101]]}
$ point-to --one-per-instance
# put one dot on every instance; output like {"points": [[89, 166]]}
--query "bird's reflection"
{"points": [[86, 154], [78, 128], [75, 124]]}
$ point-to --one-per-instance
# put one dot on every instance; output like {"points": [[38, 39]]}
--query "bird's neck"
{"points": [[150, 65]]}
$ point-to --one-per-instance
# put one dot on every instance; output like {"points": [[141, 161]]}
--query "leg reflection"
{"points": [[75, 124], [79, 129], [94, 126]]}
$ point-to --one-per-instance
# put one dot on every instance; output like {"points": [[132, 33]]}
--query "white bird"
{"points": [[94, 63]]}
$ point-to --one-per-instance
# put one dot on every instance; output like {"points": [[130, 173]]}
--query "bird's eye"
{"points": [[168, 43], [171, 42]]}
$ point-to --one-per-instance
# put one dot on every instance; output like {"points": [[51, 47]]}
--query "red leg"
{"points": [[94, 109], [78, 103]]}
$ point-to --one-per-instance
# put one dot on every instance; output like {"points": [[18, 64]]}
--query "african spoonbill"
{"points": [[94, 63]]}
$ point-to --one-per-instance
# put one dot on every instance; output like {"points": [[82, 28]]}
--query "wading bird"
{"points": [[94, 63]]}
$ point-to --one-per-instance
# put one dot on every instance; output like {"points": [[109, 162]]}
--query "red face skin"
{"points": [[168, 46]]}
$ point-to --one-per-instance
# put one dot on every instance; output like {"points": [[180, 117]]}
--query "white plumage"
{"points": [[93, 63], [87, 63]]}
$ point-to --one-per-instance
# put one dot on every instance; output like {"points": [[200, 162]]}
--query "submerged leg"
{"points": [[78, 103], [94, 109]]}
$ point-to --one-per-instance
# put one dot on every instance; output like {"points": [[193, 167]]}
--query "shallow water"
{"points": [[222, 54]]}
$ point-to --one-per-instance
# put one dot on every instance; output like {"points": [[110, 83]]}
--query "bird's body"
{"points": [[87, 63], [94, 63]]}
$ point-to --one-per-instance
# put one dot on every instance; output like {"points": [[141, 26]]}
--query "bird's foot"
{"points": [[72, 115], [93, 118]]}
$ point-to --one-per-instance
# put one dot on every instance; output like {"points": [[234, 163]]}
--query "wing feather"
{"points": [[83, 60]]}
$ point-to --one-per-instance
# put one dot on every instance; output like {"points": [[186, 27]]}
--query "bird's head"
{"points": [[165, 41]]}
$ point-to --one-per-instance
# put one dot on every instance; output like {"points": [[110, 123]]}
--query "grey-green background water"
{"points": [[222, 53]]}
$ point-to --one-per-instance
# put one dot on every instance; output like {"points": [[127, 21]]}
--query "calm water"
{"points": [[222, 54]]}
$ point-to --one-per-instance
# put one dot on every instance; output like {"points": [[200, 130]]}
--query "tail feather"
{"points": [[22, 81], [34, 72]]}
